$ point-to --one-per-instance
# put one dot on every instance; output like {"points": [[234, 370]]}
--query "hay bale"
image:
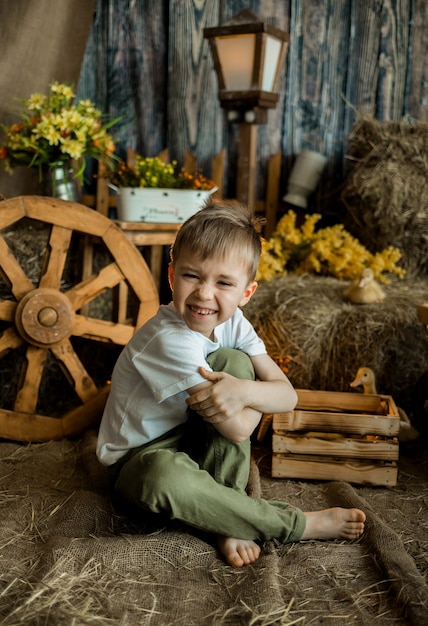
{"points": [[306, 319], [386, 195]]}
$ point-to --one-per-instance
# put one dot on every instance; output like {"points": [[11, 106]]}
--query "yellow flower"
{"points": [[308, 228], [88, 108], [36, 101], [72, 147], [329, 251], [67, 92], [52, 135], [71, 118], [62, 90]]}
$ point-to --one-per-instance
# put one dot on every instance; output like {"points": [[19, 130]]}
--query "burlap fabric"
{"points": [[68, 557]]}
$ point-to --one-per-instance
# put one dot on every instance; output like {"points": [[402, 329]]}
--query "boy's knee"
{"points": [[150, 468], [149, 479], [233, 362]]}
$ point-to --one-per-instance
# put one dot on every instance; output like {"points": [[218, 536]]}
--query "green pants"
{"points": [[195, 475]]}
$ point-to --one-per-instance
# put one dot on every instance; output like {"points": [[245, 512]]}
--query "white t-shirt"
{"points": [[152, 374]]}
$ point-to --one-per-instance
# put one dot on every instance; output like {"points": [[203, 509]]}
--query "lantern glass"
{"points": [[270, 63], [236, 56]]}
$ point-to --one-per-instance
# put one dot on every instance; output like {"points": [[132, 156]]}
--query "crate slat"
{"points": [[380, 449], [342, 401], [361, 472], [356, 423]]}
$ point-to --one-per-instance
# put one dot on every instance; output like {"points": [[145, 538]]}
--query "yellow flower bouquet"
{"points": [[153, 173], [54, 131], [330, 251]]}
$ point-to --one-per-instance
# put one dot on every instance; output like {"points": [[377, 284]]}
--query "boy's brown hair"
{"points": [[221, 227]]}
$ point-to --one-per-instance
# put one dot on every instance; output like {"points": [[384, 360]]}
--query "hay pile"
{"points": [[307, 320], [387, 193]]}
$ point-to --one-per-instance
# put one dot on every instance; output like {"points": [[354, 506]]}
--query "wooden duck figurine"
{"points": [[366, 379], [365, 289]]}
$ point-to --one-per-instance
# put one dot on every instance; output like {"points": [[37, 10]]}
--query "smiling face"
{"points": [[207, 292]]}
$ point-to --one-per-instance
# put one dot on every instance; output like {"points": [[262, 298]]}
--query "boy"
{"points": [[190, 388]]}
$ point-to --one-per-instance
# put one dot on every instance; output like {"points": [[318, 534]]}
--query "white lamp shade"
{"points": [[236, 56], [271, 61]]}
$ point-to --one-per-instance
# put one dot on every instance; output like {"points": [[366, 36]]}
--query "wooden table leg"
{"points": [[156, 258]]}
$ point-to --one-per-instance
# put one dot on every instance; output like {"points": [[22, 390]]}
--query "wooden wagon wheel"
{"points": [[41, 316]]}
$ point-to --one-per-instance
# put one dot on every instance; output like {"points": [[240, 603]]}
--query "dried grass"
{"points": [[79, 593], [387, 192], [254, 616]]}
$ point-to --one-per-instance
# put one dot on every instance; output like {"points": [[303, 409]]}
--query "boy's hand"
{"points": [[220, 401], [234, 406]]}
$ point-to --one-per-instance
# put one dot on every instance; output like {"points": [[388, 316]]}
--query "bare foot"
{"points": [[238, 552], [336, 523]]}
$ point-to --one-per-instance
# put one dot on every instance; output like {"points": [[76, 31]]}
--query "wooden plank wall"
{"points": [[150, 62]]}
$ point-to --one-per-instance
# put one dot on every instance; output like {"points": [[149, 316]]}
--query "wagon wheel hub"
{"points": [[44, 317]]}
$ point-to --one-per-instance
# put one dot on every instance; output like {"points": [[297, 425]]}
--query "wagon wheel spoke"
{"points": [[7, 310], [101, 330], [12, 273], [30, 378], [55, 257], [9, 340], [89, 289], [74, 370]]}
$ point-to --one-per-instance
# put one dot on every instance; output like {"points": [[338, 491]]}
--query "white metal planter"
{"points": [[171, 206]]}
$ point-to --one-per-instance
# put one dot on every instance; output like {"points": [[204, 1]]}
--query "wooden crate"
{"points": [[337, 436]]}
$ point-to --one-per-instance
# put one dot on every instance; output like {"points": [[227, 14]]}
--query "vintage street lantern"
{"points": [[248, 57]]}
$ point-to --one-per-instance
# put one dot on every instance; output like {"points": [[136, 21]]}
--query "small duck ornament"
{"points": [[365, 289], [366, 379]]}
